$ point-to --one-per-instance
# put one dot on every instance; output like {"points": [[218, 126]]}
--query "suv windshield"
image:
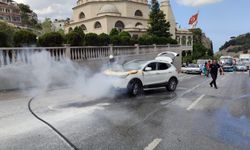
{"points": [[134, 65]]}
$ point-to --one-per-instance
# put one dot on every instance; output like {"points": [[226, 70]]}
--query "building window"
{"points": [[97, 25], [119, 25], [183, 40], [83, 27], [82, 15], [138, 13], [189, 42], [138, 24]]}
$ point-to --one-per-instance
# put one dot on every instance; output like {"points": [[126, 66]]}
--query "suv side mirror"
{"points": [[148, 69]]}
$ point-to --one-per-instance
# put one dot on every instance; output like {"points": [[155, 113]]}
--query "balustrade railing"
{"points": [[14, 55]]}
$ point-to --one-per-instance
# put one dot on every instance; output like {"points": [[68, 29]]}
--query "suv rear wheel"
{"points": [[172, 84]]}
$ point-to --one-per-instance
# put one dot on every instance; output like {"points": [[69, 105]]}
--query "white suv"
{"points": [[136, 75]]}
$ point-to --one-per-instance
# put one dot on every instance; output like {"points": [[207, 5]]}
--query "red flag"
{"points": [[193, 19]]}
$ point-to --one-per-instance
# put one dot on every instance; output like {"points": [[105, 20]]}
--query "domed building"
{"points": [[101, 16]]}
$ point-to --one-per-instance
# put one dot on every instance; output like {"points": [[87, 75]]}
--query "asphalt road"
{"points": [[195, 116]]}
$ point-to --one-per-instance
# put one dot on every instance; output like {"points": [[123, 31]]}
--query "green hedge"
{"points": [[51, 39], [24, 38]]}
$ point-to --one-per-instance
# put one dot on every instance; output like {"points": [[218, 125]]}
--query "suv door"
{"points": [[150, 77], [164, 72]]}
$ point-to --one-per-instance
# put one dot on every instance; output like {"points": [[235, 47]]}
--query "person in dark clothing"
{"points": [[214, 72]]}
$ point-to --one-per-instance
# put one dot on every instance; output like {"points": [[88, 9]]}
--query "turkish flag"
{"points": [[193, 19]]}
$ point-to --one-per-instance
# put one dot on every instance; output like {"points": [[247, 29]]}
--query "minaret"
{"points": [[167, 10]]}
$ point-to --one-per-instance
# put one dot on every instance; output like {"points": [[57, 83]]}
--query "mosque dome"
{"points": [[108, 8]]}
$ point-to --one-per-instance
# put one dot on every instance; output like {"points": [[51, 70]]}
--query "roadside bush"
{"points": [[104, 39], [124, 33], [145, 40], [91, 39], [9, 31], [115, 40], [80, 31], [51, 39], [24, 38], [74, 39], [125, 40], [114, 32], [4, 39]]}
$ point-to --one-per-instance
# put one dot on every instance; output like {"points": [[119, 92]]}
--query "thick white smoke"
{"points": [[43, 72]]}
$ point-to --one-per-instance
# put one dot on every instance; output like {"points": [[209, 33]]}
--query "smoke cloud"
{"points": [[43, 73]]}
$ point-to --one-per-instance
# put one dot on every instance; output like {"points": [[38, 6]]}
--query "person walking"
{"points": [[205, 70], [208, 67], [214, 72]]}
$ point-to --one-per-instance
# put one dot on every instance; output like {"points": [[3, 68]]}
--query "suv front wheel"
{"points": [[135, 88]]}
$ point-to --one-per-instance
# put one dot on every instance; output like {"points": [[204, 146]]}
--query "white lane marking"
{"points": [[153, 144], [195, 102]]}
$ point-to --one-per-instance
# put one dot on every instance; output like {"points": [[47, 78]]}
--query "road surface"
{"points": [[195, 116]]}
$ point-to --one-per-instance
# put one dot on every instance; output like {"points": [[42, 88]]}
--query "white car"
{"points": [[192, 68], [136, 75]]}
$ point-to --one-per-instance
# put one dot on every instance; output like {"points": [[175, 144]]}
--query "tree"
{"points": [[47, 25], [24, 38], [157, 24], [24, 8], [4, 39], [51, 39], [114, 32], [91, 39], [74, 39], [104, 39], [124, 33]]}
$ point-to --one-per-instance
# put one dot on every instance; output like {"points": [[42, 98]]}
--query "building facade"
{"points": [[10, 12], [58, 25], [101, 16]]}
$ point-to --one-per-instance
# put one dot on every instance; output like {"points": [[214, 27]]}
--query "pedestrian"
{"points": [[205, 70], [208, 67], [214, 72]]}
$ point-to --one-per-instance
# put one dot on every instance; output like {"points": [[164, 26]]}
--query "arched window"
{"points": [[82, 15], [70, 29], [138, 13], [189, 42], [97, 25], [119, 25], [183, 40], [83, 27], [138, 24]]}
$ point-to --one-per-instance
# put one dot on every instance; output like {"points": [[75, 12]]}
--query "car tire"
{"points": [[135, 88], [172, 84]]}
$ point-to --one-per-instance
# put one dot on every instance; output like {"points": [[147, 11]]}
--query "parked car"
{"points": [[192, 69], [136, 75], [241, 67]]}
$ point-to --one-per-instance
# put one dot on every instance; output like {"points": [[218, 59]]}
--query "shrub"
{"points": [[124, 40], [80, 31], [145, 40], [115, 40], [104, 39], [51, 39], [124, 33], [4, 39], [114, 32], [74, 39], [91, 39], [24, 38]]}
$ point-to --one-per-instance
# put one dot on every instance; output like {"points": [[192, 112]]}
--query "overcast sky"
{"points": [[219, 19]]}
